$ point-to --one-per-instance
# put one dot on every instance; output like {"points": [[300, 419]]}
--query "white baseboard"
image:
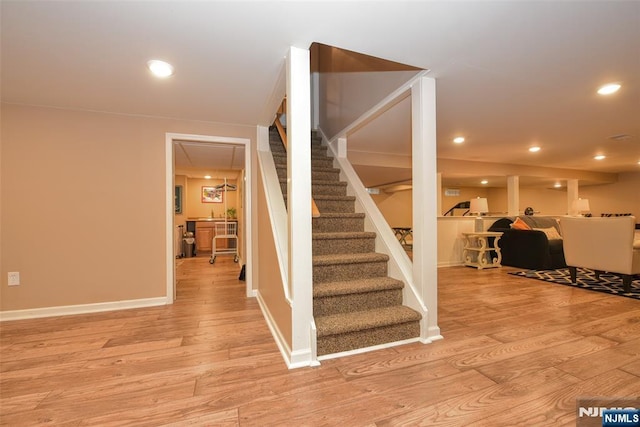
{"points": [[450, 264], [66, 310]]}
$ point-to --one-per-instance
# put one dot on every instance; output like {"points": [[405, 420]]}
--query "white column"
{"points": [[513, 195], [572, 196], [425, 200], [299, 200]]}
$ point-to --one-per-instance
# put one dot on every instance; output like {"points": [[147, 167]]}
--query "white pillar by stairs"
{"points": [[299, 200], [425, 201], [513, 195]]}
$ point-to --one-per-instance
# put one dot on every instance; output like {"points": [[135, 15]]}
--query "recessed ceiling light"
{"points": [[557, 185], [160, 68], [484, 182], [534, 149], [207, 177], [458, 139], [609, 88], [600, 157]]}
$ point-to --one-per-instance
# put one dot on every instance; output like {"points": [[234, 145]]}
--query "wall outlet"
{"points": [[14, 278]]}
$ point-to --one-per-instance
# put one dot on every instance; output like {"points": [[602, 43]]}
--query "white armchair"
{"points": [[602, 244]]}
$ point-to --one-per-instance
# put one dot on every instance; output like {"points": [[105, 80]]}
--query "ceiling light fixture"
{"points": [[160, 68], [534, 149], [609, 88], [484, 182], [557, 185], [458, 139], [600, 157], [207, 177]]}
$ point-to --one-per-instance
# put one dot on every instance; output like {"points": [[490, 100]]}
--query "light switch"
{"points": [[14, 278]]}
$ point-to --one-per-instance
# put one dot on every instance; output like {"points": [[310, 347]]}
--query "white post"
{"points": [[299, 200], [572, 196], [513, 195], [425, 200]]}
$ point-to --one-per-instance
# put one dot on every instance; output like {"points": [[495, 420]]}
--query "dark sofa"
{"points": [[530, 249]]}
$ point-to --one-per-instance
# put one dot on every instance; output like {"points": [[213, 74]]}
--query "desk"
{"points": [[402, 233], [477, 252]]}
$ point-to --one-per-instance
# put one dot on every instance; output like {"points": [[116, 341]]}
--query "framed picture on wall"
{"points": [[177, 200], [211, 195]]}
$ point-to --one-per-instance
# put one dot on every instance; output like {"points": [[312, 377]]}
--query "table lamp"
{"points": [[581, 206], [478, 206]]}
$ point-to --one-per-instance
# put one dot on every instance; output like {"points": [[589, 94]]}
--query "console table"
{"points": [[477, 252]]}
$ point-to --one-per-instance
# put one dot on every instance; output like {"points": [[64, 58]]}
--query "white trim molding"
{"points": [[68, 310], [169, 207]]}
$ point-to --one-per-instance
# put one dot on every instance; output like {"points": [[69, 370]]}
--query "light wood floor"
{"points": [[516, 352]]}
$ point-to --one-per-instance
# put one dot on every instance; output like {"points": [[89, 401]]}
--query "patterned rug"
{"points": [[586, 279]]}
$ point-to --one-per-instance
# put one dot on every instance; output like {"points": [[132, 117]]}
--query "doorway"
{"points": [[226, 147]]}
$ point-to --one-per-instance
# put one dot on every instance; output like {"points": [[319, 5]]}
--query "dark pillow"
{"points": [[501, 224]]}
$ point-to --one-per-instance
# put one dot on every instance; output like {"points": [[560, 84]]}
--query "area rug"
{"points": [[586, 279]]}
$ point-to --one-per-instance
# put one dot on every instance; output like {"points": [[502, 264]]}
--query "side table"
{"points": [[477, 252]]}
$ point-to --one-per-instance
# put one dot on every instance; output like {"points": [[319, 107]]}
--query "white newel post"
{"points": [[425, 201], [513, 195], [299, 197], [572, 196]]}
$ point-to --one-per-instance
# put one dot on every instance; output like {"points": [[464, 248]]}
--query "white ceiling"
{"points": [[197, 159], [509, 74]]}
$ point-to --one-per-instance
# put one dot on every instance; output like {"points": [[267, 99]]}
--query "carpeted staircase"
{"points": [[355, 303]]}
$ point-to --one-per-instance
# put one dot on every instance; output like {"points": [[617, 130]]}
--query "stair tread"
{"points": [[325, 182], [320, 182], [333, 197], [313, 168], [343, 215], [345, 235], [356, 258], [334, 324], [355, 286]]}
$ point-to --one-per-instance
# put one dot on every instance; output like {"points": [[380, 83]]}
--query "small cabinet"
{"points": [[205, 232], [204, 236]]}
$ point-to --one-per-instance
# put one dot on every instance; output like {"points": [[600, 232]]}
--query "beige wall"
{"points": [[396, 207], [83, 204], [345, 96], [620, 197], [466, 194], [268, 271]]}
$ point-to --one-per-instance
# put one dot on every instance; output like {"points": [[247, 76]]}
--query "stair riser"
{"points": [[278, 148], [318, 158], [338, 225], [325, 306], [339, 272], [325, 190], [326, 162], [336, 206], [367, 338], [315, 175], [328, 190], [343, 246]]}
